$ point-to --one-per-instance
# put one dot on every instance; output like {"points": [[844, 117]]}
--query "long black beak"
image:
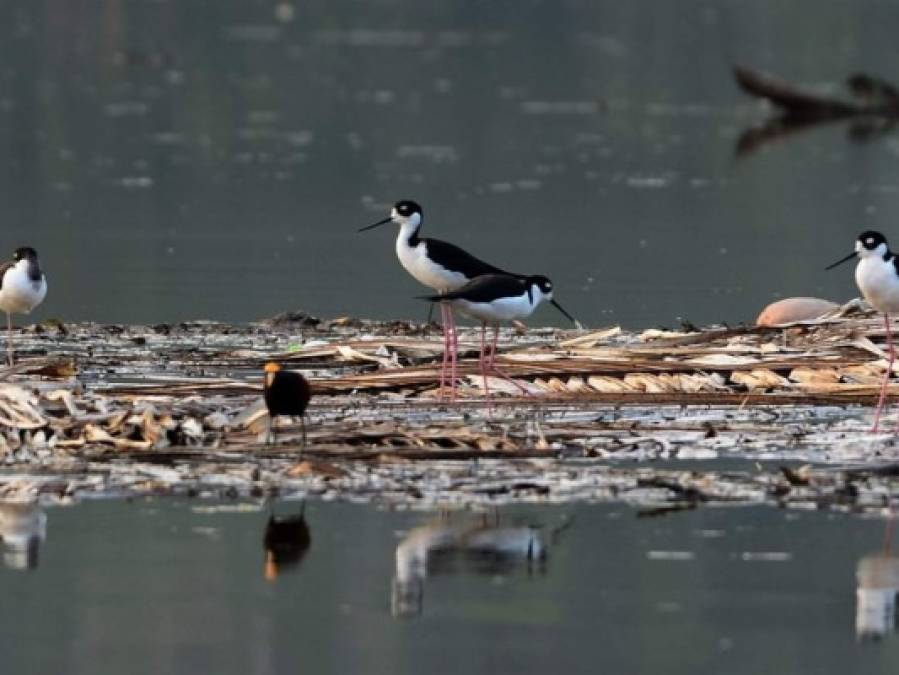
{"points": [[841, 261], [562, 309], [374, 225]]}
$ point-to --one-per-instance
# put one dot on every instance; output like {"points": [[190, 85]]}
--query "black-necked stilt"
{"points": [[436, 264], [22, 288], [493, 298], [286, 542], [285, 393], [877, 276]]}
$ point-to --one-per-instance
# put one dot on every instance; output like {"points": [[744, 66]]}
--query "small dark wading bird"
{"points": [[285, 393], [493, 298], [438, 265], [22, 288], [286, 542], [877, 276]]}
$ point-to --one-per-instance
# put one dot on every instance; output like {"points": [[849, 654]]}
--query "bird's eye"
{"points": [[870, 242]]}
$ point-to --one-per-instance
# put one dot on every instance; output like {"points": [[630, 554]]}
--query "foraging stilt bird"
{"points": [[23, 287], [285, 393], [494, 298], [877, 277]]}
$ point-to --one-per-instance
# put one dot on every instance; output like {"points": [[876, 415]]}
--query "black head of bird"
{"points": [[868, 244], [403, 212]]}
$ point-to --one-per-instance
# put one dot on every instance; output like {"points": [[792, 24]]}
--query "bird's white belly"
{"points": [[504, 309], [417, 263], [879, 283], [19, 294]]}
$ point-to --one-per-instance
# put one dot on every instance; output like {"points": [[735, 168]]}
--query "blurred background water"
{"points": [[174, 160], [174, 586]]}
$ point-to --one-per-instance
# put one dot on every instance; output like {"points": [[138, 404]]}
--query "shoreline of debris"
{"points": [[94, 410]]}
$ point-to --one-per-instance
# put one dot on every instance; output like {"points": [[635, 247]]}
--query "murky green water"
{"points": [[180, 160], [180, 586]]}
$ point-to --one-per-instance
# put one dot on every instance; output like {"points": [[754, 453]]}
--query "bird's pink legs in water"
{"points": [[886, 377]]}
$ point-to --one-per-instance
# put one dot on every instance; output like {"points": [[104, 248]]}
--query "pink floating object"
{"points": [[790, 310]]}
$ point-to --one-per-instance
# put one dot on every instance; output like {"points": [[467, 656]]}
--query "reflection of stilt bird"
{"points": [[878, 589], [22, 288], [286, 542], [23, 526], [447, 546], [286, 393]]}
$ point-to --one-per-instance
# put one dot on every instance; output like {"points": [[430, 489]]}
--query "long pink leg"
{"points": [[886, 377], [9, 339], [454, 354], [492, 367], [482, 361], [493, 345], [446, 347]]}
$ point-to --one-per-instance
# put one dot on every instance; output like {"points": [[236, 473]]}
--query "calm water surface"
{"points": [[183, 586], [179, 160]]}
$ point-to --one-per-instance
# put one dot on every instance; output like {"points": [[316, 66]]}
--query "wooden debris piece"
{"points": [[806, 375], [759, 379]]}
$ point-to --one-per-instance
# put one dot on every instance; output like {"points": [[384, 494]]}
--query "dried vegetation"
{"points": [[177, 408]]}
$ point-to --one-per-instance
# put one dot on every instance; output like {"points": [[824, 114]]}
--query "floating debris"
{"points": [[177, 409]]}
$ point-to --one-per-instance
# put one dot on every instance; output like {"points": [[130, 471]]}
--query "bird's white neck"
{"points": [[537, 296], [408, 235]]}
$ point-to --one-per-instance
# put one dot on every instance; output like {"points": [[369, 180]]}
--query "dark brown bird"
{"points": [[286, 393]]}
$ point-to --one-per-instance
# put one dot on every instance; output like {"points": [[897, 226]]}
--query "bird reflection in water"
{"points": [[877, 575], [286, 543], [452, 545], [23, 526]]}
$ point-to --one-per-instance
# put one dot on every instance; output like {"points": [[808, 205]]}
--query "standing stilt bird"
{"points": [[285, 393], [22, 288], [494, 298], [438, 265], [877, 276]]}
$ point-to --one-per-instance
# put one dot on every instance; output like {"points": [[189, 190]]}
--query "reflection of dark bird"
{"points": [[873, 114], [286, 542], [286, 393]]}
